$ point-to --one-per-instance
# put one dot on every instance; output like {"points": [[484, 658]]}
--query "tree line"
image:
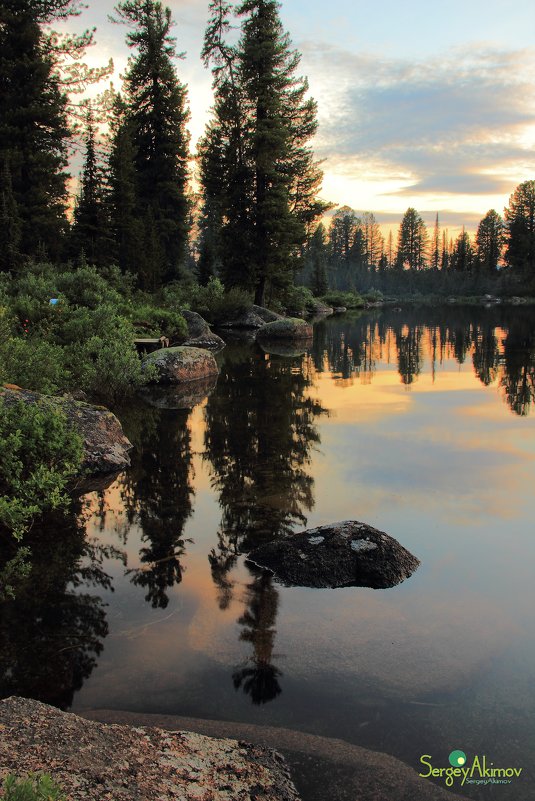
{"points": [[352, 251], [256, 220]]}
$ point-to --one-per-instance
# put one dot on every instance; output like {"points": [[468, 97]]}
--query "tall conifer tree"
{"points": [[156, 120]]}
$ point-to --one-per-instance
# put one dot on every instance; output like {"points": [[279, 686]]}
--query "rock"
{"points": [[181, 364], [339, 310], [266, 315], [200, 334], [93, 761], [105, 445], [289, 328], [347, 554], [180, 396], [321, 308], [247, 319]]}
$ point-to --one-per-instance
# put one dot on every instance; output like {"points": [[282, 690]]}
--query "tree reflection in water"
{"points": [[157, 493], [259, 676], [51, 636], [260, 429]]}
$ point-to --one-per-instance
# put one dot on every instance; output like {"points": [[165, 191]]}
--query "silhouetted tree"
{"points": [[490, 239], [520, 222], [412, 241]]}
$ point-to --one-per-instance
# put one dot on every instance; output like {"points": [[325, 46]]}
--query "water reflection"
{"points": [[157, 493], [260, 430], [51, 636], [501, 345], [259, 677]]}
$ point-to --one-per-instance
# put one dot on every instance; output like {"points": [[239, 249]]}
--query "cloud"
{"points": [[458, 123]]}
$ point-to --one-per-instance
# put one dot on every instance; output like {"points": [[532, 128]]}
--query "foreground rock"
{"points": [[323, 768], [200, 335], [105, 445], [179, 396], [288, 328], [181, 364], [347, 554], [93, 762]]}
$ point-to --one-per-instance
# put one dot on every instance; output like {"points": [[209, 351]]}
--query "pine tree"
{"points": [[490, 239], [412, 241], [10, 222], [123, 208], [263, 123], [435, 246], [373, 239], [445, 252], [33, 122], [462, 257], [317, 256], [520, 221], [156, 118], [90, 233]]}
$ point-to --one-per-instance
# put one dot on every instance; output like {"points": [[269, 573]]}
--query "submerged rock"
{"points": [[179, 396], [288, 350], [93, 761], [200, 335], [347, 554], [181, 364], [105, 445], [288, 328]]}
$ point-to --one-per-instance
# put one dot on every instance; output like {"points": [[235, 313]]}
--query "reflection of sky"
{"points": [[415, 109]]}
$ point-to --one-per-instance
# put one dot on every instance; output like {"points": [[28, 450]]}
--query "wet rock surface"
{"points": [[346, 554], [288, 328], [181, 364], [105, 445], [93, 762], [200, 335]]}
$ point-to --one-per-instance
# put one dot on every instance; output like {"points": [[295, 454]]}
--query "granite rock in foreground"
{"points": [[346, 554], [93, 762]]}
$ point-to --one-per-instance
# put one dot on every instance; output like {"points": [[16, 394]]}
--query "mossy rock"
{"points": [[289, 328], [181, 364]]}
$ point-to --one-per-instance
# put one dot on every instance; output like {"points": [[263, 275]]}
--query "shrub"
{"points": [[336, 297], [216, 305], [33, 364], [39, 454], [86, 287], [156, 321], [298, 299], [36, 787]]}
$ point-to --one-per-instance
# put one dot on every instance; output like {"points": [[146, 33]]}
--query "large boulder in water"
{"points": [[347, 554], [200, 335], [105, 445], [178, 396], [181, 364], [253, 318], [286, 329]]}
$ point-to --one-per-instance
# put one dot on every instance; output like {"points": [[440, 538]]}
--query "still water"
{"points": [[418, 422]]}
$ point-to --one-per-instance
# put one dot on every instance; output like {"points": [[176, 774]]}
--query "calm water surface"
{"points": [[417, 422]]}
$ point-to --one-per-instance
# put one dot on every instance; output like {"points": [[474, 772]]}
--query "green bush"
{"points": [[298, 299], [39, 454], [350, 300], [156, 321], [36, 787], [86, 287], [216, 305], [33, 363], [373, 296]]}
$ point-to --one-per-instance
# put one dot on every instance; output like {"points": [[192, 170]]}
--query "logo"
{"points": [[457, 759], [468, 770]]}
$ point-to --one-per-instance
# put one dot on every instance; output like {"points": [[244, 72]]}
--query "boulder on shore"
{"points": [[105, 445], [347, 554], [93, 761], [200, 335], [253, 318], [288, 328], [181, 364]]}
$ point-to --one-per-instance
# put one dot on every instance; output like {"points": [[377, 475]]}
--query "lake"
{"points": [[419, 422]]}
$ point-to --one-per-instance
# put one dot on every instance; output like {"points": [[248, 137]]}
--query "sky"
{"points": [[430, 106]]}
